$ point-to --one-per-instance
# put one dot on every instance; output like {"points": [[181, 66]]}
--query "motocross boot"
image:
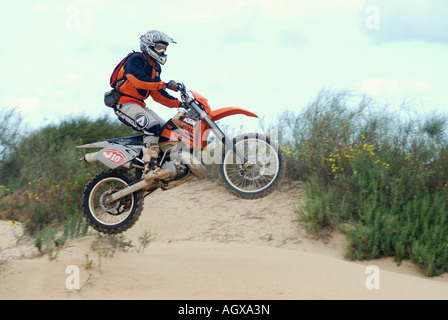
{"points": [[152, 171]]}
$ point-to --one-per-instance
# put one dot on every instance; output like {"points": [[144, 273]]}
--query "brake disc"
{"points": [[112, 207]]}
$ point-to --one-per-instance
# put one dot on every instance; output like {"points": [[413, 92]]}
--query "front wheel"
{"points": [[111, 217], [262, 171]]}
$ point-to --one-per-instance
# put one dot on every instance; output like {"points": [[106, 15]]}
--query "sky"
{"points": [[266, 56]]}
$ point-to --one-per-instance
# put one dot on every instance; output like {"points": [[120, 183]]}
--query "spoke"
{"points": [[260, 170], [112, 213]]}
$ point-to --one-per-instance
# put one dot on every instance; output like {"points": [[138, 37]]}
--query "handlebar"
{"points": [[183, 90], [189, 101], [182, 87]]}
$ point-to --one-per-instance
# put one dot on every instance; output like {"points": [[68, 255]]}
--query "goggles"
{"points": [[160, 47]]}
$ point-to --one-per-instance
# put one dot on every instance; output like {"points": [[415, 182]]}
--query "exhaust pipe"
{"points": [[89, 157]]}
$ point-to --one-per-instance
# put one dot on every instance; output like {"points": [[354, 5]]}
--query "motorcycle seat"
{"points": [[132, 140]]}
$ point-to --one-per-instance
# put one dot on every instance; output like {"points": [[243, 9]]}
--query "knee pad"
{"points": [[142, 121]]}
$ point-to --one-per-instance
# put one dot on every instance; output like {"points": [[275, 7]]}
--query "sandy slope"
{"points": [[207, 244]]}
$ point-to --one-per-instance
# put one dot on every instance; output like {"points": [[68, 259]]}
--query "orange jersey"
{"points": [[139, 78]]}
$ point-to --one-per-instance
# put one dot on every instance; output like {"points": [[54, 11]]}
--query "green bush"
{"points": [[50, 151], [42, 178], [380, 177]]}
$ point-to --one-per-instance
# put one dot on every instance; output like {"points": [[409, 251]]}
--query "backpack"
{"points": [[114, 75], [112, 97]]}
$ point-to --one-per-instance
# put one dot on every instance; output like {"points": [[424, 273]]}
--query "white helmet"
{"points": [[155, 43]]}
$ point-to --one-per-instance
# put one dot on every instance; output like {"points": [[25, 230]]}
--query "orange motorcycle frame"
{"points": [[193, 132]]}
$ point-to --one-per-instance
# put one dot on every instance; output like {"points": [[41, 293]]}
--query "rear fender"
{"points": [[94, 145], [115, 155]]}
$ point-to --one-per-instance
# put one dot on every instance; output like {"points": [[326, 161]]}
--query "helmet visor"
{"points": [[160, 47]]}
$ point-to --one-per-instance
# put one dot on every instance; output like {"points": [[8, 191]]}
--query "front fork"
{"points": [[229, 145]]}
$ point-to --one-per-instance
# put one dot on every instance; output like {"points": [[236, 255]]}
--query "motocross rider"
{"points": [[140, 78]]}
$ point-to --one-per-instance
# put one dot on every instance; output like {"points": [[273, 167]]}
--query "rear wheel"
{"points": [[262, 171], [111, 217]]}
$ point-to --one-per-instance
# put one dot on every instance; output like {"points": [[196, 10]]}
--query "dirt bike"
{"points": [[251, 165]]}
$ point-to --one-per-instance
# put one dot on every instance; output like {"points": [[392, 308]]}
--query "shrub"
{"points": [[380, 177], [42, 179]]}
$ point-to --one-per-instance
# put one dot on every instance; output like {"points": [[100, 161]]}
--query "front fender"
{"points": [[217, 114]]}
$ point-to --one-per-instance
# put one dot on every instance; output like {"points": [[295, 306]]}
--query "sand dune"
{"points": [[207, 244]]}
